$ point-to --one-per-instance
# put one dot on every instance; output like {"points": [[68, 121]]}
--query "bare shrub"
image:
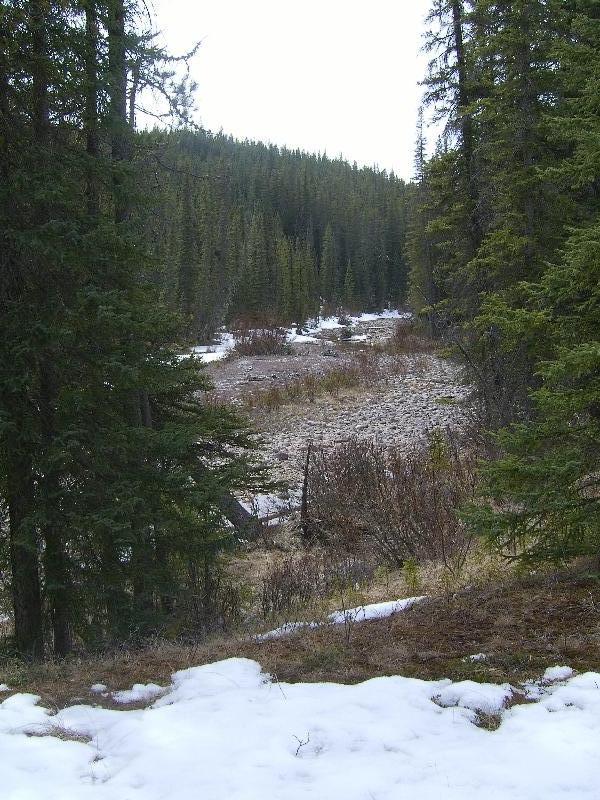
{"points": [[267, 340], [211, 601], [364, 497], [407, 339], [301, 580]]}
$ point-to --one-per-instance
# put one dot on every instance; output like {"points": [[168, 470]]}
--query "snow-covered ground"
{"points": [[226, 340], [226, 731], [217, 351]]}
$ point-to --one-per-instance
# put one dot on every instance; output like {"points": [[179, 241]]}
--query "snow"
{"points": [[139, 693], [4, 687], [300, 338], [556, 674], [226, 731], [226, 340], [535, 689], [374, 610], [358, 614], [331, 323], [217, 351], [263, 505], [485, 697], [476, 657], [98, 688]]}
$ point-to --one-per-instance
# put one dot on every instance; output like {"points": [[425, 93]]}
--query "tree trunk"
{"points": [[56, 583], [18, 468], [91, 108], [466, 123], [119, 129], [26, 595]]}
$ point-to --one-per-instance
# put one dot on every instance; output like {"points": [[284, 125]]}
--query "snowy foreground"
{"points": [[226, 731]]}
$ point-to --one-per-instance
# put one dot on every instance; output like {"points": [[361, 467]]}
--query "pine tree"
{"points": [[257, 281], [328, 269], [109, 466], [544, 487], [349, 293]]}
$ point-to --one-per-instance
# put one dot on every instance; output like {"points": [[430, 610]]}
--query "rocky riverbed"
{"points": [[407, 396], [397, 410]]}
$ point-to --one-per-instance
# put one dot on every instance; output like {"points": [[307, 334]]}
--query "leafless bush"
{"points": [[364, 497], [268, 340], [210, 603], [301, 580], [407, 339]]}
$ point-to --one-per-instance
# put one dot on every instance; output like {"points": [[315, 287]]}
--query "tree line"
{"points": [[242, 229], [504, 252]]}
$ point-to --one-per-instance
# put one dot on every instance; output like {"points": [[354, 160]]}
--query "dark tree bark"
{"points": [[26, 594], [24, 558], [119, 128], [56, 579], [465, 122], [91, 108]]}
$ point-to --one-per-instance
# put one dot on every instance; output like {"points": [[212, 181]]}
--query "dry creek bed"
{"points": [[395, 409]]}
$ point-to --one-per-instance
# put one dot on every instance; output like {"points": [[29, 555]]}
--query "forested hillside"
{"points": [[245, 229], [504, 247]]}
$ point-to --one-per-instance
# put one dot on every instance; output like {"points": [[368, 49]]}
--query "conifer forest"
{"points": [[304, 451], [196, 330]]}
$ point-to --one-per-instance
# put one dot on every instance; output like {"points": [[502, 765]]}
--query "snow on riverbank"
{"points": [[226, 340], [350, 615], [225, 731]]}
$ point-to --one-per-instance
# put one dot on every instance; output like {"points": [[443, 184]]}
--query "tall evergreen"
{"points": [[112, 470], [503, 248]]}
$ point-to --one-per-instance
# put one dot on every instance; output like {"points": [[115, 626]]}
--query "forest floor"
{"points": [[507, 630]]}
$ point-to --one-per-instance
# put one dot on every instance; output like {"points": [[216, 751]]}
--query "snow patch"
{"points": [[226, 340], [214, 352], [226, 731], [485, 697], [476, 657], [358, 614], [139, 693], [557, 674]]}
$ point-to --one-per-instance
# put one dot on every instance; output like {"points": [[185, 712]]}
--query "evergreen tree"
{"points": [[349, 293], [328, 269], [545, 485], [113, 474]]}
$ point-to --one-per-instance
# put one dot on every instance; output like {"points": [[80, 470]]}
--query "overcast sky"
{"points": [[334, 76]]}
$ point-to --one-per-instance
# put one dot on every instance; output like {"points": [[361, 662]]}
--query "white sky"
{"points": [[334, 76]]}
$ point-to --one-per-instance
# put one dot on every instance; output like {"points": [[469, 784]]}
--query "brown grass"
{"points": [[266, 341], [365, 368], [523, 624]]}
